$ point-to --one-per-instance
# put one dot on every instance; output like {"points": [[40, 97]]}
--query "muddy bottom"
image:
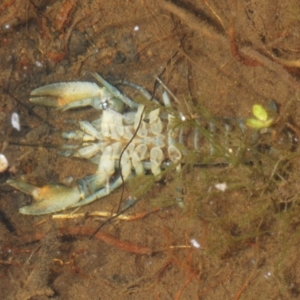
{"points": [[233, 233]]}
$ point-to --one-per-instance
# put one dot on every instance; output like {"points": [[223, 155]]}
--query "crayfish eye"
{"points": [[104, 105]]}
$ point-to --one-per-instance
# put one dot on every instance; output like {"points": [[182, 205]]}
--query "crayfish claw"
{"points": [[47, 199], [61, 94]]}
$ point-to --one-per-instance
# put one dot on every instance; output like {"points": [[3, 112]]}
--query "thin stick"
{"points": [[104, 214], [106, 238]]}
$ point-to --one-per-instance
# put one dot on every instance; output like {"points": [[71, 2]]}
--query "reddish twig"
{"points": [[89, 231], [106, 238], [72, 263], [6, 5], [64, 14], [235, 50], [188, 280]]}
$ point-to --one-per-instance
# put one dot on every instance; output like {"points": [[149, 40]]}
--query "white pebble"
{"points": [[38, 64], [182, 116], [15, 121], [195, 243], [221, 186], [268, 275], [3, 163]]}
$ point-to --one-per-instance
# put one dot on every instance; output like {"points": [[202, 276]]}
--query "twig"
{"points": [[106, 238], [104, 214]]}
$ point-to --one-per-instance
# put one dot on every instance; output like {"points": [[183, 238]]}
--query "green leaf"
{"points": [[258, 124], [261, 118], [259, 112]]}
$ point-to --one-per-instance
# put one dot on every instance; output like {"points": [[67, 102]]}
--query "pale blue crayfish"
{"points": [[131, 139]]}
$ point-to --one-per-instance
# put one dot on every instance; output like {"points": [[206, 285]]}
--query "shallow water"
{"points": [[224, 57]]}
